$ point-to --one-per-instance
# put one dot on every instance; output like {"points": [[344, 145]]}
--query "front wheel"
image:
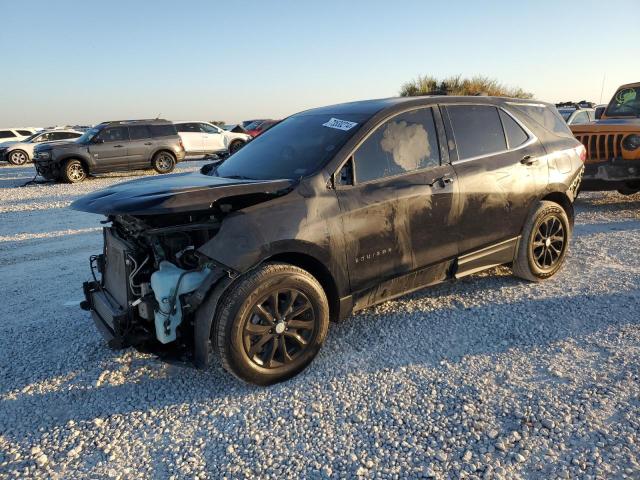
{"points": [[163, 162], [544, 243], [271, 324], [18, 157], [73, 171]]}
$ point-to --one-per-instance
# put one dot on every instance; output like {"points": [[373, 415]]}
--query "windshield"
{"points": [[88, 135], [31, 137], [566, 113], [293, 148], [625, 103]]}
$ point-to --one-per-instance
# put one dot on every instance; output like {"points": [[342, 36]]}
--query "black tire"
{"points": [[628, 191], [73, 171], [18, 157], [544, 243], [163, 162], [235, 146], [263, 345]]}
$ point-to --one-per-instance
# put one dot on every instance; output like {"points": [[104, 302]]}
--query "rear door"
{"points": [[500, 168], [394, 208], [110, 151], [192, 137], [140, 146]]}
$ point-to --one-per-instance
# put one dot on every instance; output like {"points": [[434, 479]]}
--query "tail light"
{"points": [[582, 153]]}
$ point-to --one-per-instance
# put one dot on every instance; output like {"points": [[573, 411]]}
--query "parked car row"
{"points": [[21, 151]]}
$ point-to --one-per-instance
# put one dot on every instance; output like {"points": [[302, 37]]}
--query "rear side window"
{"points": [[25, 133], [548, 118], [477, 130], [137, 132], [580, 118], [188, 128], [516, 136], [166, 130], [405, 143], [7, 134]]}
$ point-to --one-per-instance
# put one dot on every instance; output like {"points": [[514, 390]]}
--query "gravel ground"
{"points": [[489, 377]]}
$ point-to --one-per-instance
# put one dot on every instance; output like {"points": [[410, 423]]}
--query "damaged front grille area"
{"points": [[602, 147]]}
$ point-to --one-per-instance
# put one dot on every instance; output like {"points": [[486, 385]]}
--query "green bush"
{"points": [[456, 85]]}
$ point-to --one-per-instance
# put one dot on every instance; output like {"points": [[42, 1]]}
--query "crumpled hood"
{"points": [[608, 125], [181, 192]]}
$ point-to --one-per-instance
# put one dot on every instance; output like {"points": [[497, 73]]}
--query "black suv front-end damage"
{"points": [[151, 278]]}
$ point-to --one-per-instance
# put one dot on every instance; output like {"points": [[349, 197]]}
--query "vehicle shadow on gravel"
{"points": [[382, 339]]}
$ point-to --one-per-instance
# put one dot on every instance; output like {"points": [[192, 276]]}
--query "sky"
{"points": [[78, 62]]}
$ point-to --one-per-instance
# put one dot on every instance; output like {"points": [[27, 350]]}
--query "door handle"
{"points": [[528, 160], [117, 146], [148, 143], [442, 181]]}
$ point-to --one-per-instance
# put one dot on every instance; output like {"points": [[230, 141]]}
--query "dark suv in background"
{"points": [[330, 211], [110, 147]]}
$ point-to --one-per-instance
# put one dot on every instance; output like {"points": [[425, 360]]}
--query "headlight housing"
{"points": [[631, 142]]}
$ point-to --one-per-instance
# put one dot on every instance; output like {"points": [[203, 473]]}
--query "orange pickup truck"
{"points": [[613, 144]]}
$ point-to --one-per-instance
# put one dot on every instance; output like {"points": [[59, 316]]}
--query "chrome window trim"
{"points": [[532, 138]]}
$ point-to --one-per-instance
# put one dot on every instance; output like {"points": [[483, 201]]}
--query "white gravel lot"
{"points": [[490, 377]]}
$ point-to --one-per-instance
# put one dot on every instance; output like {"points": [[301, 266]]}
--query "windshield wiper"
{"points": [[239, 177]]}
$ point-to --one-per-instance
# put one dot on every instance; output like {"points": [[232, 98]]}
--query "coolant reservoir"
{"points": [[164, 283]]}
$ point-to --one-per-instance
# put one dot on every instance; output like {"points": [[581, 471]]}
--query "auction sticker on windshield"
{"points": [[339, 124]]}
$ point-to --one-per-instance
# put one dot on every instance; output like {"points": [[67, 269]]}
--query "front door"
{"points": [[213, 139], [109, 150], [398, 204]]}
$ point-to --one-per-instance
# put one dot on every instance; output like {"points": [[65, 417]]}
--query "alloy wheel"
{"points": [[279, 328], [76, 172], [18, 158], [549, 243], [164, 162]]}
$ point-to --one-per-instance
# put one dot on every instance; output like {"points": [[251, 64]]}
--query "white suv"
{"points": [[204, 138], [21, 152], [17, 134]]}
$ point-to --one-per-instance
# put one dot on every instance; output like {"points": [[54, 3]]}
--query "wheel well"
{"points": [[320, 272], [562, 200]]}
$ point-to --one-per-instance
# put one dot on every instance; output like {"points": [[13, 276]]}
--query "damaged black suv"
{"points": [[330, 211]]}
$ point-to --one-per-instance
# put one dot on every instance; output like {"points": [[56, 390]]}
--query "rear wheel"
{"points": [[163, 162], [18, 157], [271, 324], [630, 189], [544, 243], [73, 171]]}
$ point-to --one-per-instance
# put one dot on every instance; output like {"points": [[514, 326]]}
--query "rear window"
{"points": [[25, 133], [166, 130], [549, 118], [516, 136], [477, 130], [7, 134], [138, 132]]}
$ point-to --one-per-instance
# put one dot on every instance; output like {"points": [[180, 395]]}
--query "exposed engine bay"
{"points": [[146, 277]]}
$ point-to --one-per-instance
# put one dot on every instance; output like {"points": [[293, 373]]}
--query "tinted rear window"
{"points": [[6, 134], [137, 132], [163, 130], [549, 118], [25, 133], [516, 136], [477, 130]]}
